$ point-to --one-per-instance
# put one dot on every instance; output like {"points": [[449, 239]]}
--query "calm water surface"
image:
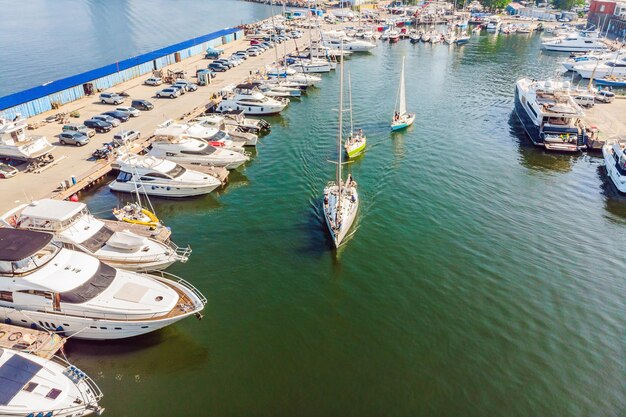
{"points": [[42, 41], [485, 277]]}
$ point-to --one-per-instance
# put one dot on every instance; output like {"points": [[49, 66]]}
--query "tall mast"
{"points": [[350, 101], [273, 36], [339, 134]]}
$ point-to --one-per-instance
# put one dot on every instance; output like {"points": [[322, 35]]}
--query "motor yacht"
{"points": [[75, 227], [250, 100], [493, 24], [311, 66], [549, 114], [15, 144], [45, 285], [213, 136], [615, 162], [219, 122], [158, 177], [599, 69], [34, 386], [185, 149], [349, 44], [583, 41]]}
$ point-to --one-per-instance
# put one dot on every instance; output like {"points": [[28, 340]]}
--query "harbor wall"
{"points": [[51, 95]]}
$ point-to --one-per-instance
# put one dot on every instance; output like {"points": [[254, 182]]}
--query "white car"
{"points": [[130, 111], [188, 86], [254, 51], [170, 92], [125, 136], [153, 81]]}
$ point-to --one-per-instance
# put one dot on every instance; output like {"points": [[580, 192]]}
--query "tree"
{"points": [[494, 4], [567, 4]]}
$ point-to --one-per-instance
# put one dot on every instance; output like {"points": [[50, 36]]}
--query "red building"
{"points": [[609, 17]]}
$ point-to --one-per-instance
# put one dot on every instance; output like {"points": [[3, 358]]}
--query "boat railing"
{"points": [[93, 315], [171, 277], [182, 253]]}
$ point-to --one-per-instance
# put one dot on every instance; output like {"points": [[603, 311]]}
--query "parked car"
{"points": [[241, 54], [295, 34], [7, 171], [98, 125], [224, 62], [170, 92], [254, 51], [111, 98], [605, 96], [73, 138], [268, 45], [121, 116], [187, 85], [153, 81], [180, 88], [142, 104], [124, 136], [213, 53], [130, 111], [217, 67], [106, 118], [76, 127]]}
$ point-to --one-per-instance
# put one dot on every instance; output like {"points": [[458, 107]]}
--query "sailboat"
{"points": [[355, 144], [401, 118], [341, 200]]}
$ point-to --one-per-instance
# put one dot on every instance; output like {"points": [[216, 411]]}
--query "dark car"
{"points": [[98, 125], [217, 67], [73, 138], [119, 115], [224, 62], [142, 105]]}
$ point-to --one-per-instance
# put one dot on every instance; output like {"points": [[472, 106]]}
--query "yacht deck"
{"points": [[23, 339]]}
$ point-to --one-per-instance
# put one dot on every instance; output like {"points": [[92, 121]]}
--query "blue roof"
{"points": [[44, 90]]}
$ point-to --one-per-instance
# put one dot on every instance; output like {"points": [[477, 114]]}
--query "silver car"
{"points": [[168, 92], [130, 111], [109, 119]]}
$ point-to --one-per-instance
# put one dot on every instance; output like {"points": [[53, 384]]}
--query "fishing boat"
{"points": [[74, 226], [356, 141], [45, 285], [341, 200], [34, 386], [549, 114], [401, 119], [615, 162], [16, 144]]}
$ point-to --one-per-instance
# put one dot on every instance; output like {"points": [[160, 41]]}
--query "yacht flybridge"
{"points": [[75, 227], [15, 144], [144, 174], [549, 114], [47, 286], [34, 386], [211, 135]]}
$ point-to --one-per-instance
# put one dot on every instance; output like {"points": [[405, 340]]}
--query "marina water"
{"points": [[484, 278]]}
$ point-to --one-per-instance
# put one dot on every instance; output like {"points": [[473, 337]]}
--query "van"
{"points": [[75, 127], [605, 96]]}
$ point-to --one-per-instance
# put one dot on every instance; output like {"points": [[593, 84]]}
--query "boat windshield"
{"points": [[177, 171], [91, 288], [31, 263]]}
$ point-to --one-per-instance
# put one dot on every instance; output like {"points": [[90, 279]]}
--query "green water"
{"points": [[485, 277]]}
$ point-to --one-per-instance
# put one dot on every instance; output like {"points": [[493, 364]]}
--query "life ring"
{"points": [[18, 335]]}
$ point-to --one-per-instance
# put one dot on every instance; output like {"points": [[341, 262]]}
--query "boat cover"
{"points": [[127, 240], [14, 374]]}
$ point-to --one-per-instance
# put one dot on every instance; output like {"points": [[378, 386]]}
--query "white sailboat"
{"points": [[341, 200], [356, 142], [401, 118]]}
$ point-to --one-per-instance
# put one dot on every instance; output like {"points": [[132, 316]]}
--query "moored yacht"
{"points": [[15, 144], [615, 162], [75, 227], [493, 24], [600, 69], [311, 65], [219, 122], [191, 150], [161, 178], [250, 100], [349, 44], [583, 41], [47, 286], [212, 135], [549, 114], [34, 386]]}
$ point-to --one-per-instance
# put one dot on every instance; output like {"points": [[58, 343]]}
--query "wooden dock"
{"points": [[24, 339]]}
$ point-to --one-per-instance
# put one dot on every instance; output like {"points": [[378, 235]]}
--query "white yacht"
{"points": [[73, 225], [335, 39], [211, 135], [160, 178], [493, 24], [569, 63], [219, 122], [15, 144], [248, 98], [34, 386], [46, 286], [600, 69], [283, 75], [238, 119], [583, 41], [312, 66], [549, 114], [615, 162]]}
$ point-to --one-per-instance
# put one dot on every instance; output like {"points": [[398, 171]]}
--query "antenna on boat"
{"points": [[339, 138], [350, 101]]}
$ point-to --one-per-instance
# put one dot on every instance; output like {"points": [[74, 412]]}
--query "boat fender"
{"points": [[60, 330], [7, 321], [15, 336], [33, 326]]}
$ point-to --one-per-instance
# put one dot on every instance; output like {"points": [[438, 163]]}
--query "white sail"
{"points": [[401, 96]]}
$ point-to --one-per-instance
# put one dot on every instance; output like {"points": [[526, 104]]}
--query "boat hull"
{"points": [[612, 171], [403, 124], [354, 151], [161, 190]]}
